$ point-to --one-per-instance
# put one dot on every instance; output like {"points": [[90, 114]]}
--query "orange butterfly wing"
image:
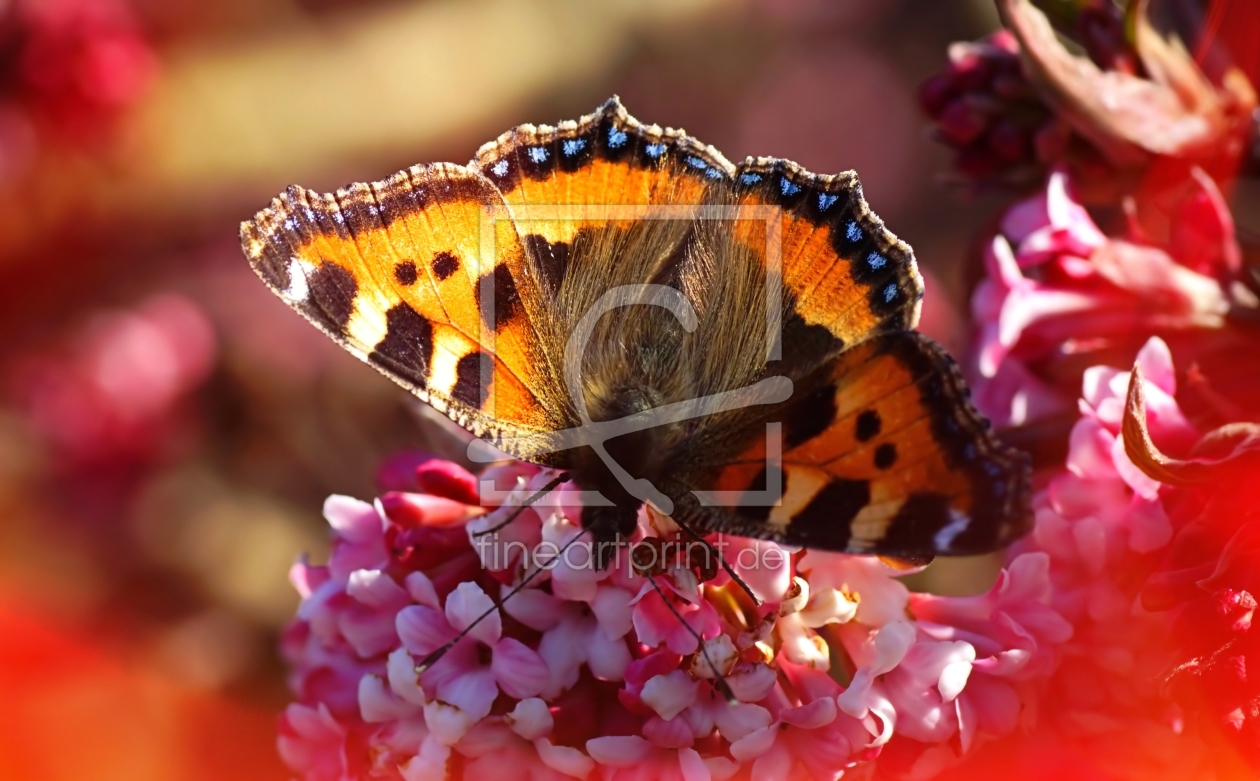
{"points": [[881, 453], [423, 276]]}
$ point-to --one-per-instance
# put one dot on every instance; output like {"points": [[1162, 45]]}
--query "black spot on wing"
{"points": [[998, 476], [803, 347], [407, 346], [761, 483], [405, 273], [867, 426], [826, 522], [550, 259], [444, 264], [917, 522], [885, 455], [505, 304], [471, 383], [332, 291], [810, 417]]}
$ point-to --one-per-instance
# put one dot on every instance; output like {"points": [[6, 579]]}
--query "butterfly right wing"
{"points": [[424, 277], [881, 454]]}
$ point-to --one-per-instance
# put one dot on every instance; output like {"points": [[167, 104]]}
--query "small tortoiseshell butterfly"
{"points": [[485, 290]]}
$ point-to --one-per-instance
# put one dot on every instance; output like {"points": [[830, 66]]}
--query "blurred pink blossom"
{"points": [[115, 389], [1057, 289]]}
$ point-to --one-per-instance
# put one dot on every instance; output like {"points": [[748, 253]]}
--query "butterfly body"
{"points": [[732, 343]]}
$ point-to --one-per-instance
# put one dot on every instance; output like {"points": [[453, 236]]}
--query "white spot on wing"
{"points": [[298, 289], [944, 538]]}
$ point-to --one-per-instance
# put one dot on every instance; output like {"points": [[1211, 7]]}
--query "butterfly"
{"points": [[732, 344]]}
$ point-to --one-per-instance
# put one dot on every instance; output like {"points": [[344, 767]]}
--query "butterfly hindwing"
{"points": [[397, 272], [882, 453]]}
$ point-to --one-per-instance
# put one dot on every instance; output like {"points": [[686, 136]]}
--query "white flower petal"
{"points": [[564, 759], [429, 764], [403, 680], [669, 694], [374, 588], [618, 750], [447, 722], [531, 719], [377, 704]]}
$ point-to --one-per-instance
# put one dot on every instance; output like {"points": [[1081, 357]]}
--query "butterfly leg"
{"points": [[712, 551]]}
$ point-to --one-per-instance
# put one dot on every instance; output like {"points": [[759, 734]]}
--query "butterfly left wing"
{"points": [[402, 273], [881, 453]]}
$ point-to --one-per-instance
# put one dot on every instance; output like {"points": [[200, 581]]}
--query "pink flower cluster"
{"points": [[1102, 523], [1058, 293], [591, 673]]}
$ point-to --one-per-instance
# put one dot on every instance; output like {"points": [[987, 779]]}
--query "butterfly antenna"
{"points": [[720, 680], [433, 657], [563, 478], [712, 551]]}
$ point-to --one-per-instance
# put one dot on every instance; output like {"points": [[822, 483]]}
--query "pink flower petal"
{"points": [[692, 766], [751, 683], [607, 658], [668, 733], [755, 743], [421, 590], [763, 565], [739, 720], [881, 651], [466, 605], [423, 630], [618, 750], [816, 714], [519, 670], [472, 692], [451, 481], [376, 589], [612, 609], [534, 608], [410, 510]]}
